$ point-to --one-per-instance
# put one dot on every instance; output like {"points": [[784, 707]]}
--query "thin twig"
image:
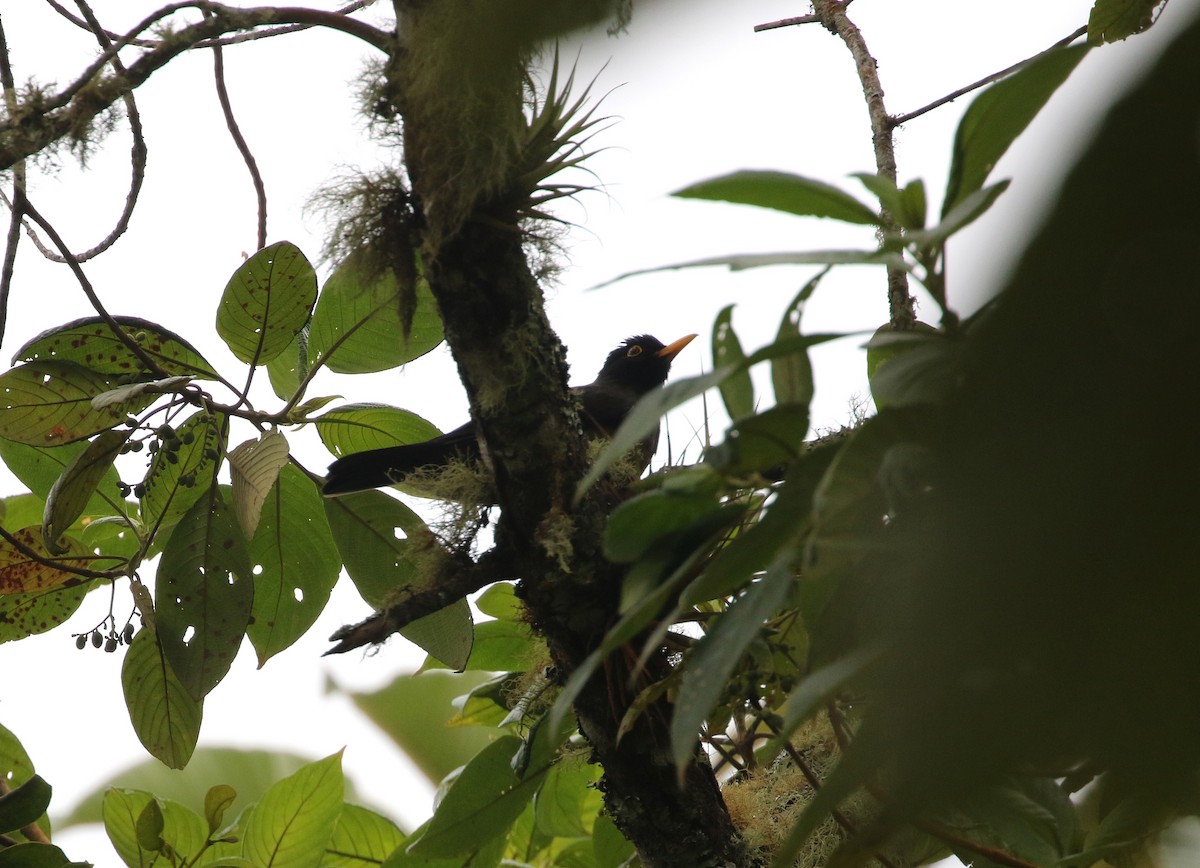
{"points": [[138, 155], [260, 190], [986, 80], [148, 362], [13, 238], [787, 22], [901, 304]]}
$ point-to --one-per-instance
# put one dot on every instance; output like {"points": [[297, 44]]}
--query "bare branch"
{"points": [[13, 238], [75, 107], [901, 304], [986, 80]]}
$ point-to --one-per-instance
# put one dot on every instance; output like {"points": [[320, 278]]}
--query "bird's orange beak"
{"points": [[670, 351]]}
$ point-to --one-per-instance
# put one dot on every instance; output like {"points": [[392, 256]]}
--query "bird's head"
{"points": [[641, 362]]}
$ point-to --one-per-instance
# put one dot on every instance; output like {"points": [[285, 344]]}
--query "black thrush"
{"points": [[637, 366]]}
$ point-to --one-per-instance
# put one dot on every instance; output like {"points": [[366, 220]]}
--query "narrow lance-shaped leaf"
{"points": [[267, 302], [716, 656], [91, 343], [998, 115], [164, 716], [49, 403], [743, 261], [737, 391], [204, 594], [791, 374], [77, 485], [783, 192]]}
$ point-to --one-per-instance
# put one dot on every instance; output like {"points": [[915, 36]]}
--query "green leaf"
{"points": [[906, 206], [74, 490], [504, 646], [15, 765], [1114, 20], [203, 595], [149, 827], [998, 115], [295, 820], [359, 427], [500, 601], [783, 192], [250, 772], [121, 811], [911, 367], [361, 838], [358, 324], [791, 374], [821, 685], [167, 496], [216, 802], [481, 803], [707, 670], [164, 716], [48, 403], [609, 846], [968, 209], [23, 615], [253, 468], [412, 707], [295, 564], [559, 806], [125, 394], [646, 518], [39, 469], [37, 855], [267, 302], [288, 369], [737, 391], [24, 804], [91, 343], [762, 443], [743, 261]]}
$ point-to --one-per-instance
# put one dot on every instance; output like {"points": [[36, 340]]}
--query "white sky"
{"points": [[696, 94]]}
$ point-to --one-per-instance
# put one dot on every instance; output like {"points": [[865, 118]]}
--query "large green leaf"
{"points": [[295, 820], [783, 192], [359, 427], [164, 716], [267, 302], [361, 838], [646, 518], [24, 803], [481, 803], [48, 403], [998, 115], [295, 564], [203, 595], [90, 342], [374, 534], [358, 326]]}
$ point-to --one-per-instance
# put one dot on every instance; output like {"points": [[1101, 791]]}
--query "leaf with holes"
{"points": [[254, 466], [296, 818], [204, 594], [358, 324], [792, 374], [164, 716], [267, 302], [91, 343], [374, 534], [295, 564], [48, 403], [737, 391]]}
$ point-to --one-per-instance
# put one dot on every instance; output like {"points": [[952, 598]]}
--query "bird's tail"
{"points": [[377, 468]]}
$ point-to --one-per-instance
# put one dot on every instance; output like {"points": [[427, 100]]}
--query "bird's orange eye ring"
{"points": [[634, 351]]}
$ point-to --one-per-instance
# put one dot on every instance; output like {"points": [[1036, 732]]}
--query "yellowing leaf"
{"points": [[254, 466]]}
